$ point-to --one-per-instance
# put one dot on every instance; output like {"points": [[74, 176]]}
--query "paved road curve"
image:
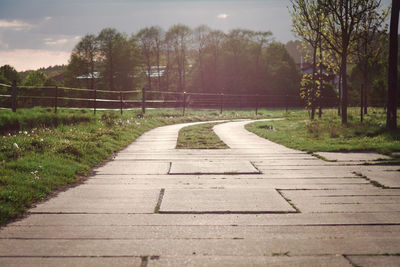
{"points": [[255, 204]]}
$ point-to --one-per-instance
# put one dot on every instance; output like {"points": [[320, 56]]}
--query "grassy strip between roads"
{"points": [[43, 156], [199, 137], [328, 134]]}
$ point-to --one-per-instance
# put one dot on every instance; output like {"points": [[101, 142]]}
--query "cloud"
{"points": [[222, 16], [50, 41], [14, 24], [71, 40], [28, 59], [48, 18]]}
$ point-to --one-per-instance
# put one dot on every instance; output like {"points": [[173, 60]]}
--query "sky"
{"points": [[42, 33]]}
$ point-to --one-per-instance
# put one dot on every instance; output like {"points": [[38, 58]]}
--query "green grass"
{"points": [[25, 119], [38, 157], [328, 134], [199, 137]]}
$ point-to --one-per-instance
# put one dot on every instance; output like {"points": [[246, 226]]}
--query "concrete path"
{"points": [[256, 204]]}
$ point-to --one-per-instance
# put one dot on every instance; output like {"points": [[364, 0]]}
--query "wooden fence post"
{"points": [[94, 101], [56, 99], [286, 103], [362, 103], [221, 102], [14, 96], [120, 101], [184, 104], [143, 100]]}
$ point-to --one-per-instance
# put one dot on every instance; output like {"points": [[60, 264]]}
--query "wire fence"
{"points": [[13, 97]]}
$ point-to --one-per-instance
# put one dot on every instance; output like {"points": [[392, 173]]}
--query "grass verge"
{"points": [[25, 119], [37, 158], [328, 134], [199, 136]]}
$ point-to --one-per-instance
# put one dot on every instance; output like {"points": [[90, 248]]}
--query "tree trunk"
{"points": [[313, 91], [321, 78], [340, 94], [201, 72], [344, 86], [365, 76], [149, 77], [366, 99], [391, 119], [91, 71], [362, 90], [168, 67], [111, 74], [158, 65]]}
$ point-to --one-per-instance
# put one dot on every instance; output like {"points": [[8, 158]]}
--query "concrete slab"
{"points": [[94, 199], [385, 176], [134, 167], [212, 261], [352, 156], [70, 261], [306, 219], [255, 232], [343, 203], [213, 167], [190, 247], [224, 201], [215, 180], [375, 260], [236, 137]]}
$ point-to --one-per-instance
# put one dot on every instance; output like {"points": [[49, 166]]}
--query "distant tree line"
{"points": [[184, 59]]}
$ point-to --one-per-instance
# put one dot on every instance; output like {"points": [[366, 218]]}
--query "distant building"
{"points": [[154, 71], [94, 75], [329, 76]]}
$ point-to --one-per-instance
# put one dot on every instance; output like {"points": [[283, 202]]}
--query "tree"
{"points": [[281, 71], [214, 42], [308, 23], [3, 79], [343, 19], [150, 41], [179, 36], [237, 59], [200, 36], [369, 48], [35, 78], [87, 51], [391, 119], [76, 67], [108, 39], [9, 74], [158, 40]]}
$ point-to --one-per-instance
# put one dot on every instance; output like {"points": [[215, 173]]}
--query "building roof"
{"points": [[94, 75]]}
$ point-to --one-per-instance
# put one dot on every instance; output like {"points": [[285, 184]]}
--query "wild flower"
{"points": [[41, 139], [35, 175], [16, 145], [25, 132]]}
